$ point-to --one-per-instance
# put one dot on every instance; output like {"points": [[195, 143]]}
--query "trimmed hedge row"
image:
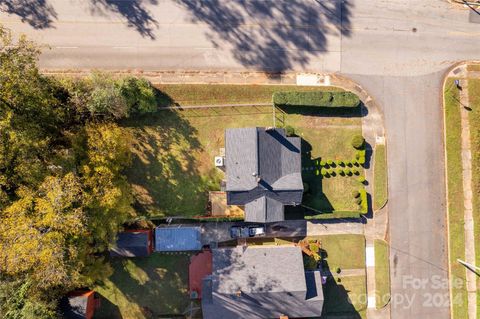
{"points": [[316, 98]]}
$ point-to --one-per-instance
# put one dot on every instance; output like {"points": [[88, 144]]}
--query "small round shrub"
{"points": [[356, 164], [323, 171], [338, 270], [355, 172], [356, 194], [348, 172], [289, 130], [332, 173], [358, 142], [361, 160], [306, 187], [361, 179], [339, 162], [342, 172], [323, 163]]}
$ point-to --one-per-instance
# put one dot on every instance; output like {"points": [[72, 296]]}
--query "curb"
{"points": [[448, 73]]}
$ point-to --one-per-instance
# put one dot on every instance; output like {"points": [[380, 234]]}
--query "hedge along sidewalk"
{"points": [[316, 98]]}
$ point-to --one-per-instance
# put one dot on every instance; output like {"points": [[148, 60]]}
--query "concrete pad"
{"points": [[372, 302], [370, 256]]}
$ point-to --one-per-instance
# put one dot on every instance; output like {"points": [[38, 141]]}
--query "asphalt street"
{"points": [[398, 50]]}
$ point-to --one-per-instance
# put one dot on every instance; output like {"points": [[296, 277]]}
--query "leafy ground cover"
{"points": [[455, 197], [380, 191], [174, 149], [382, 273], [146, 287]]}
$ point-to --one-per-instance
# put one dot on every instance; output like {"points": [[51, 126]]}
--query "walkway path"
{"points": [[467, 193]]}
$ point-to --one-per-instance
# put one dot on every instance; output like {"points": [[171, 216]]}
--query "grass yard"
{"points": [[216, 94], [382, 273], [455, 197], [146, 287], [380, 187], [474, 120], [339, 246], [346, 298], [173, 150]]}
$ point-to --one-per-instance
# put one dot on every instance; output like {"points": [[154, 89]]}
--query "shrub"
{"points": [[330, 162], [315, 247], [356, 172], [363, 201], [316, 98], [139, 95], [358, 142], [342, 172], [361, 160], [289, 130], [360, 153], [348, 172], [323, 171], [362, 179], [332, 173], [306, 187], [106, 98], [356, 194], [339, 162], [323, 163]]}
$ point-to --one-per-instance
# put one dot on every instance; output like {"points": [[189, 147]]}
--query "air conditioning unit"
{"points": [[219, 161]]}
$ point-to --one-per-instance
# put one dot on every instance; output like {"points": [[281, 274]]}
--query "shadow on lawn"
{"points": [[165, 172], [336, 299], [157, 285]]}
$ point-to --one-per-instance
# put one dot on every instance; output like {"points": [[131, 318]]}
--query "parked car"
{"points": [[247, 231]]}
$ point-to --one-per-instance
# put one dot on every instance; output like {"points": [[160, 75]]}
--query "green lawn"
{"points": [[382, 273], [173, 150], [380, 189], [211, 94], [455, 197], [346, 298], [474, 120], [145, 287], [343, 251]]}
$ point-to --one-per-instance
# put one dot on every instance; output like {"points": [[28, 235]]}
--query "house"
{"points": [[263, 172], [261, 282], [80, 304], [177, 239], [133, 243]]}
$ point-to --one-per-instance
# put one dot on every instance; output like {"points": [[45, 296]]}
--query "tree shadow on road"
{"points": [[272, 35], [134, 11], [39, 14]]}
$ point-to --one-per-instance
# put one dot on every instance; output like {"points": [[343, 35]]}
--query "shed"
{"points": [[133, 243], [177, 239], [200, 267], [80, 304]]}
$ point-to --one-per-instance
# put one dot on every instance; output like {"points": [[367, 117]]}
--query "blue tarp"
{"points": [[177, 239]]}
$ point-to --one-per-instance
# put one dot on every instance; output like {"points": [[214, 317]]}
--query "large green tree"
{"points": [[63, 193]]}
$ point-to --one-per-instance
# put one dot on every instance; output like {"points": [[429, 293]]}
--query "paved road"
{"points": [[397, 49]]}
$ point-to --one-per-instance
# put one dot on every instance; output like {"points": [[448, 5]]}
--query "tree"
{"points": [[139, 95]]}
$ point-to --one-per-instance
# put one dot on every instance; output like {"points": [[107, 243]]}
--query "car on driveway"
{"points": [[243, 231]]}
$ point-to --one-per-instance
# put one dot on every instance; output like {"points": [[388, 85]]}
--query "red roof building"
{"points": [[200, 267]]}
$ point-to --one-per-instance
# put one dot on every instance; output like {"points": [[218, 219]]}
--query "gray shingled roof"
{"points": [[263, 164], [261, 282], [131, 244]]}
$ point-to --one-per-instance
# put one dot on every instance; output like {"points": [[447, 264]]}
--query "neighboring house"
{"points": [[80, 304], [133, 243], [263, 172], [177, 239], [261, 282]]}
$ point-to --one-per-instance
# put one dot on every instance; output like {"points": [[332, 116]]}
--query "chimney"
{"points": [[283, 317]]}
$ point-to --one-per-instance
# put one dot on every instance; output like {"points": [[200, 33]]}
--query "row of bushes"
{"points": [[362, 200], [340, 171], [316, 98], [339, 163]]}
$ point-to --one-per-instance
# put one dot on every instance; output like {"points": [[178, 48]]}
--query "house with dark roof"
{"points": [[263, 172], [133, 243], [261, 282]]}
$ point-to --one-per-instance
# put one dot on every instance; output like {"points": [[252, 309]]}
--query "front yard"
{"points": [[173, 150], [145, 287]]}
